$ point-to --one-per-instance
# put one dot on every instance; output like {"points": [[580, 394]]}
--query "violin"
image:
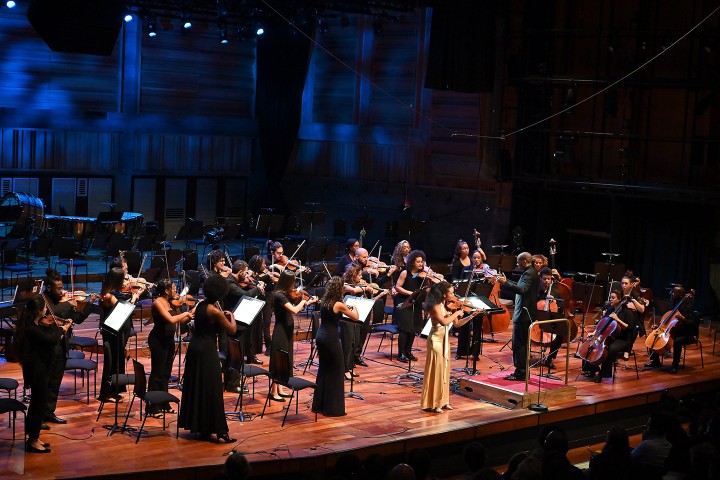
{"points": [[298, 295], [375, 263], [52, 319], [454, 304], [433, 277], [179, 300]]}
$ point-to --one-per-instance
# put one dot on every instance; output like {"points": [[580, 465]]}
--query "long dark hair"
{"points": [[255, 263], [34, 307], [286, 282], [113, 280], [333, 292], [460, 243], [437, 294]]}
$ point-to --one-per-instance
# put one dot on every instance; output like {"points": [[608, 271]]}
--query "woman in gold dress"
{"points": [[436, 382]]}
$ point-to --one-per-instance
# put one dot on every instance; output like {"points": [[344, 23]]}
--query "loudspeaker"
{"points": [[77, 26]]}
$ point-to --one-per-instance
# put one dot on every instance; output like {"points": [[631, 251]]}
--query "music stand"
{"points": [[588, 294], [312, 218], [269, 223], [609, 270], [364, 307], [505, 263], [245, 312], [114, 323]]}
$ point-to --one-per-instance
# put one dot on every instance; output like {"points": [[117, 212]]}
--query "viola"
{"points": [[298, 295], [661, 340]]}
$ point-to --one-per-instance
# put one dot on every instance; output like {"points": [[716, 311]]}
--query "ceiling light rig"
{"points": [[246, 16]]}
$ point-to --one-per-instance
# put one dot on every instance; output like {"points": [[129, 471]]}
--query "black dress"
{"points": [[329, 396], [282, 336], [202, 409], [117, 342], [161, 341]]}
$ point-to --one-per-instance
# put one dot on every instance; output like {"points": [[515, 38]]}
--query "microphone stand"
{"points": [[351, 393]]}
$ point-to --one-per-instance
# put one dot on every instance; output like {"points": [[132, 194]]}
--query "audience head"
{"points": [[474, 456], [402, 471], [237, 467]]}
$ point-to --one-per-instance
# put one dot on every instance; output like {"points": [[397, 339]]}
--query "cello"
{"points": [[660, 340], [594, 350]]}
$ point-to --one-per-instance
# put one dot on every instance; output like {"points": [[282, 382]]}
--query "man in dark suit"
{"points": [[526, 291]]}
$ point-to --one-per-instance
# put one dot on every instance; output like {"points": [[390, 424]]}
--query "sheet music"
{"points": [[477, 303], [426, 329], [247, 309], [119, 315], [362, 305]]}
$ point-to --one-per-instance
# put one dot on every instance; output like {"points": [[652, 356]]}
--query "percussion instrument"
{"points": [[20, 212]]}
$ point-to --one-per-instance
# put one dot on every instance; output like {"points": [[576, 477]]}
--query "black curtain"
{"points": [[283, 56], [661, 241], [461, 56]]}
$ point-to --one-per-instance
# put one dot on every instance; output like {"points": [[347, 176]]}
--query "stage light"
{"points": [[260, 30], [128, 18], [187, 24], [10, 4], [223, 35], [151, 28]]}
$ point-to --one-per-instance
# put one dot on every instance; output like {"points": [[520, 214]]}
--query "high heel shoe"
{"points": [[225, 438], [32, 449]]}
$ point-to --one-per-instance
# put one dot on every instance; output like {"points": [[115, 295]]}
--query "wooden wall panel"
{"points": [[194, 74]]}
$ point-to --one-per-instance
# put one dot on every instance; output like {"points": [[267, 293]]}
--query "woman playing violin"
{"points": [[261, 274], [621, 342], [68, 309], [409, 320], [285, 311], [351, 248], [162, 337], [130, 283], [37, 342], [401, 251], [240, 285], [436, 380]]}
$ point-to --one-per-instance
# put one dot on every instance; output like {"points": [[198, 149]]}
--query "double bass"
{"points": [[660, 340], [498, 322], [563, 285]]}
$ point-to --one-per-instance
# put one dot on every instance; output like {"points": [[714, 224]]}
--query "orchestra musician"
{"points": [[540, 261], [462, 265], [622, 340], [436, 379], [636, 303], [241, 284], [329, 398], [216, 263], [400, 252], [110, 293], [285, 311], [130, 283], [161, 339], [202, 409], [463, 333], [36, 337], [683, 332], [351, 248], [259, 273], [409, 319], [67, 309], [548, 297], [526, 290]]}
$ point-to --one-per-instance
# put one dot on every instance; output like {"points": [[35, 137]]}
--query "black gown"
{"points": [[202, 409], [161, 341], [329, 396], [282, 337]]}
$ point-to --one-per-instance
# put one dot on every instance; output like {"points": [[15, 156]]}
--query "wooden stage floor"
{"points": [[388, 421]]}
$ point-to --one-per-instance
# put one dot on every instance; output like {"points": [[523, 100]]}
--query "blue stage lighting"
{"points": [[128, 18], [10, 4], [260, 31]]}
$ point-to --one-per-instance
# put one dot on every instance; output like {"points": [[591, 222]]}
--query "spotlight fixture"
{"points": [[10, 4], [187, 24], [260, 30], [223, 34], [128, 17], [151, 28]]}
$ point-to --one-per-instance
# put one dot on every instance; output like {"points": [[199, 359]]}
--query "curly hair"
{"points": [[52, 276], [214, 257], [215, 288], [397, 257], [411, 259], [351, 274], [333, 292]]}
